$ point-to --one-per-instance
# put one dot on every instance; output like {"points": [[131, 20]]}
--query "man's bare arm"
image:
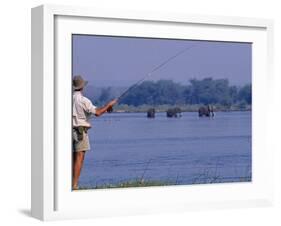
{"points": [[102, 110]]}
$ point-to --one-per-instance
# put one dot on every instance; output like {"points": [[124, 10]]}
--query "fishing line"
{"points": [[151, 73]]}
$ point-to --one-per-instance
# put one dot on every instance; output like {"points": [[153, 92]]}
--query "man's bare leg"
{"points": [[78, 159]]}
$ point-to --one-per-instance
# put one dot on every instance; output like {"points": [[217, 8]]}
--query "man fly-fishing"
{"points": [[83, 109]]}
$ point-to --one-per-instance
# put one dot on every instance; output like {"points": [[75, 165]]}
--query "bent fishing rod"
{"points": [[149, 74]]}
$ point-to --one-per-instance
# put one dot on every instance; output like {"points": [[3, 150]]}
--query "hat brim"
{"points": [[81, 86]]}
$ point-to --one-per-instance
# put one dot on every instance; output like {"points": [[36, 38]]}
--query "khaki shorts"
{"points": [[80, 145]]}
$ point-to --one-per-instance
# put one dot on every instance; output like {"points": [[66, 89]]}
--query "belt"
{"points": [[81, 129]]}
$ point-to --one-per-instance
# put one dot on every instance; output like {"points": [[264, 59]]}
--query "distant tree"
{"points": [[149, 92], [233, 92], [168, 92], [187, 94], [245, 93], [222, 93], [204, 91], [105, 95], [208, 91]]}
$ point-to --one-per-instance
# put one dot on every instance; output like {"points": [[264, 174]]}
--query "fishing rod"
{"points": [[150, 74]]}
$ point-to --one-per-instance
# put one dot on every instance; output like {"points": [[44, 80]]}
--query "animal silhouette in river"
{"points": [[173, 112], [151, 113], [207, 111]]}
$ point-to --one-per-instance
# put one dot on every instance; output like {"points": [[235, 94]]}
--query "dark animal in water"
{"points": [[151, 113], [207, 111], [173, 112]]}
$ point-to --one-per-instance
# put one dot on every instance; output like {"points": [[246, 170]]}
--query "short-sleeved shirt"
{"points": [[83, 109]]}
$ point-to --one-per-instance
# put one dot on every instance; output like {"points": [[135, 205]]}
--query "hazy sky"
{"points": [[119, 61]]}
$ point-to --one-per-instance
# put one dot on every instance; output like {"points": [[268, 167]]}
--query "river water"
{"points": [[186, 150]]}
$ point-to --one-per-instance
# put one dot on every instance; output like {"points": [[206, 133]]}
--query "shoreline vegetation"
{"points": [[206, 176], [164, 94], [129, 184], [124, 108], [155, 183]]}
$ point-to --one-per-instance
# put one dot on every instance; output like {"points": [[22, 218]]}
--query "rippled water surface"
{"points": [[186, 150]]}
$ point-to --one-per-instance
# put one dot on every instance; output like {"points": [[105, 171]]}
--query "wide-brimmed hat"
{"points": [[78, 82]]}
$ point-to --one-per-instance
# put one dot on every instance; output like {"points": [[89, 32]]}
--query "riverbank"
{"points": [[129, 184], [204, 178], [123, 108]]}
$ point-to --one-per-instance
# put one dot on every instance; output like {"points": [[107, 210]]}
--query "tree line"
{"points": [[204, 91]]}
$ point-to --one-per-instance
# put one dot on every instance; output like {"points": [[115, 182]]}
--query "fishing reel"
{"points": [[110, 110]]}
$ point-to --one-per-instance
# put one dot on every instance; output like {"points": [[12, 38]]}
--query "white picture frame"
{"points": [[52, 197]]}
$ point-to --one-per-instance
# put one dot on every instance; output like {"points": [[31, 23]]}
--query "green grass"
{"points": [[129, 184]]}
